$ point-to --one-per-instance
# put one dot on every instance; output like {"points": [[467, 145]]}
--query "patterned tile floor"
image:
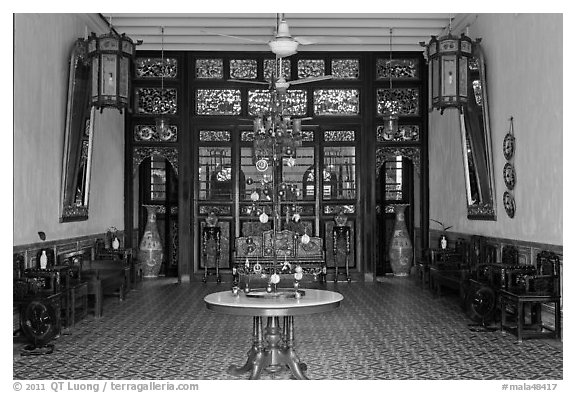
{"points": [[389, 330]]}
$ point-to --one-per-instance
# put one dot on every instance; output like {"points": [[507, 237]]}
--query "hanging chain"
{"points": [[511, 129], [162, 66], [390, 55]]}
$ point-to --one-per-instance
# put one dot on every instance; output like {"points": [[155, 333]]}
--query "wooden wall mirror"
{"points": [[477, 143], [78, 136]]}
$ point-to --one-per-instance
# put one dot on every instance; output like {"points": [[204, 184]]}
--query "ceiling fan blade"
{"points": [[311, 79], [327, 40], [233, 36], [304, 40], [249, 81]]}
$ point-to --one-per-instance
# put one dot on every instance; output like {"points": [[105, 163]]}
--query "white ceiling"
{"points": [[331, 32]]}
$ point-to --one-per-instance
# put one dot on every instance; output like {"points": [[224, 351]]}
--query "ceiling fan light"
{"points": [[283, 47], [281, 85]]}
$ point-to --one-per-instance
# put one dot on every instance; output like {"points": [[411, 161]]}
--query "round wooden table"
{"points": [[273, 347]]}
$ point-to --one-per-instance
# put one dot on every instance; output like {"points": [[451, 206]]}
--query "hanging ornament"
{"points": [[275, 278], [263, 218], [262, 165], [298, 273], [286, 265], [305, 239], [255, 196], [257, 268]]}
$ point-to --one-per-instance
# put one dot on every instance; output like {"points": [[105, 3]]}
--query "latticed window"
{"points": [[157, 179]]}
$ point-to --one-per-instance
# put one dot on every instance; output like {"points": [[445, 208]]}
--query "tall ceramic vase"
{"points": [[400, 249], [150, 253]]}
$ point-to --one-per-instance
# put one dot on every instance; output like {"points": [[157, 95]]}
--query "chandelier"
{"points": [[276, 135], [276, 138]]}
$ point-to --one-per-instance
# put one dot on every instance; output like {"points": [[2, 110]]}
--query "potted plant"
{"points": [[443, 239]]}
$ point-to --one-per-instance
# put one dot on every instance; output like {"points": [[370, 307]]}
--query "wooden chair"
{"points": [[423, 270], [524, 294], [449, 268], [480, 299]]}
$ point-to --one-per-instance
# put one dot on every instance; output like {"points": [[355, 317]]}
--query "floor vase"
{"points": [[400, 248], [150, 253]]}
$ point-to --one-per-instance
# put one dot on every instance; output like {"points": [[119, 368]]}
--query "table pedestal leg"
{"points": [[272, 350], [255, 353], [291, 357]]}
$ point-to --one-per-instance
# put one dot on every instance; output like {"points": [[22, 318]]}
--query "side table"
{"points": [[273, 347]]}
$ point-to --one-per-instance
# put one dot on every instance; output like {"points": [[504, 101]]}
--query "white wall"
{"points": [[42, 46], [524, 76]]}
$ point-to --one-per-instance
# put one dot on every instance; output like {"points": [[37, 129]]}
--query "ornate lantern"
{"points": [[391, 106], [111, 59], [448, 58], [162, 122]]}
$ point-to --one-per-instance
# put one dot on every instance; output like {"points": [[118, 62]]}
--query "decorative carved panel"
{"points": [[149, 133], [388, 153], [141, 153], [153, 67]]}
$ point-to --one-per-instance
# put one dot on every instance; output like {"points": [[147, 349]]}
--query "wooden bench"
{"points": [[258, 254]]}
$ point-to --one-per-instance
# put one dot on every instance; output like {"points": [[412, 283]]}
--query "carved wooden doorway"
{"points": [[156, 183], [398, 182]]}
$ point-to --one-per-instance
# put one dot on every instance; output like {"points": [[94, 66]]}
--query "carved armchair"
{"points": [[525, 293]]}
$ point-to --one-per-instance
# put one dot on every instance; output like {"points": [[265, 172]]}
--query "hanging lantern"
{"points": [[448, 58], [111, 58], [391, 105], [390, 118], [162, 122]]}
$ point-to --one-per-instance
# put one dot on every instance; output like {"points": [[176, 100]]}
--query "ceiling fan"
{"points": [[280, 84], [283, 44]]}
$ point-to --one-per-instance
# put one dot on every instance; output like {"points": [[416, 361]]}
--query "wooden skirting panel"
{"points": [[28, 252], [527, 251]]}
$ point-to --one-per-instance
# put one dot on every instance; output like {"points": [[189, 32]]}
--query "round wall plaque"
{"points": [[509, 176], [509, 146], [509, 204]]}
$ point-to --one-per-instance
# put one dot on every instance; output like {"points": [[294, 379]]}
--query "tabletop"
{"points": [[313, 301]]}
